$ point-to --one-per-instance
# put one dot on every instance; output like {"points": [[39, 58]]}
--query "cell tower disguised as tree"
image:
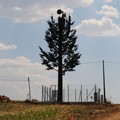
{"points": [[62, 55]]}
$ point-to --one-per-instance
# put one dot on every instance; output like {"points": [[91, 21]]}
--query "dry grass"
{"points": [[27, 111]]}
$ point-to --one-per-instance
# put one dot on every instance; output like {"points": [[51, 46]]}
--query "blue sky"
{"points": [[22, 29]]}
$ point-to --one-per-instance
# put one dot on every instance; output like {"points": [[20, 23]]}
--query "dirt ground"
{"points": [[113, 116]]}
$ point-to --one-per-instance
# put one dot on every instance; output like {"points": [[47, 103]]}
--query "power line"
{"points": [[10, 79], [91, 62], [20, 66], [112, 62], [94, 62]]}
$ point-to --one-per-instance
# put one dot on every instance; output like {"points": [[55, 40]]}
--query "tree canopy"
{"points": [[70, 56]]}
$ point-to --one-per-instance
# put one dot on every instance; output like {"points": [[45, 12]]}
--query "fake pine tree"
{"points": [[62, 55]]}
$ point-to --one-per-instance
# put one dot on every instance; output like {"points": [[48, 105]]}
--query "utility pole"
{"points": [[29, 89], [81, 93], [75, 94], [104, 89], [61, 23]]}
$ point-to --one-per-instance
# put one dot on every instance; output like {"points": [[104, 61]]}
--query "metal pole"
{"points": [[29, 89], [95, 95], [47, 94], [68, 93], [42, 93], [75, 95], [87, 94], [60, 73], [56, 94], [104, 90], [81, 93], [50, 96]]}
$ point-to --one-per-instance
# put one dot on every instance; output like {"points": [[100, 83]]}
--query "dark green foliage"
{"points": [[70, 56]]}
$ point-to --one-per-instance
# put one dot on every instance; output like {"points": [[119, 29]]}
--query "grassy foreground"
{"points": [[28, 111]]}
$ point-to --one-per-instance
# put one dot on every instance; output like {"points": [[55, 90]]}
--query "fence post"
{"points": [[50, 96], [47, 94], [68, 93], [81, 93], [75, 95], [95, 95], [87, 95], [42, 93]]}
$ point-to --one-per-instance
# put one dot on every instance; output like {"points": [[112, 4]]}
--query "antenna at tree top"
{"points": [[59, 11]]}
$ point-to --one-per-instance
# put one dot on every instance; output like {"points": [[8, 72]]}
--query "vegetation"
{"points": [[59, 35], [29, 111]]}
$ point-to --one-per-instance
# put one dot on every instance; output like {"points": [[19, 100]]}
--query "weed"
{"points": [[5, 106]]}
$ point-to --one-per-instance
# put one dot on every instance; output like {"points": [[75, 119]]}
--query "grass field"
{"points": [[29, 111]]}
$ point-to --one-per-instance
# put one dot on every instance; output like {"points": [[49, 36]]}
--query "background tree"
{"points": [[62, 55]]}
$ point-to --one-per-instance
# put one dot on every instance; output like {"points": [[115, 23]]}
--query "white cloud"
{"points": [[24, 67], [45, 3], [17, 8], [107, 1], [14, 74], [103, 27], [108, 11], [79, 3], [34, 11], [7, 47]]}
